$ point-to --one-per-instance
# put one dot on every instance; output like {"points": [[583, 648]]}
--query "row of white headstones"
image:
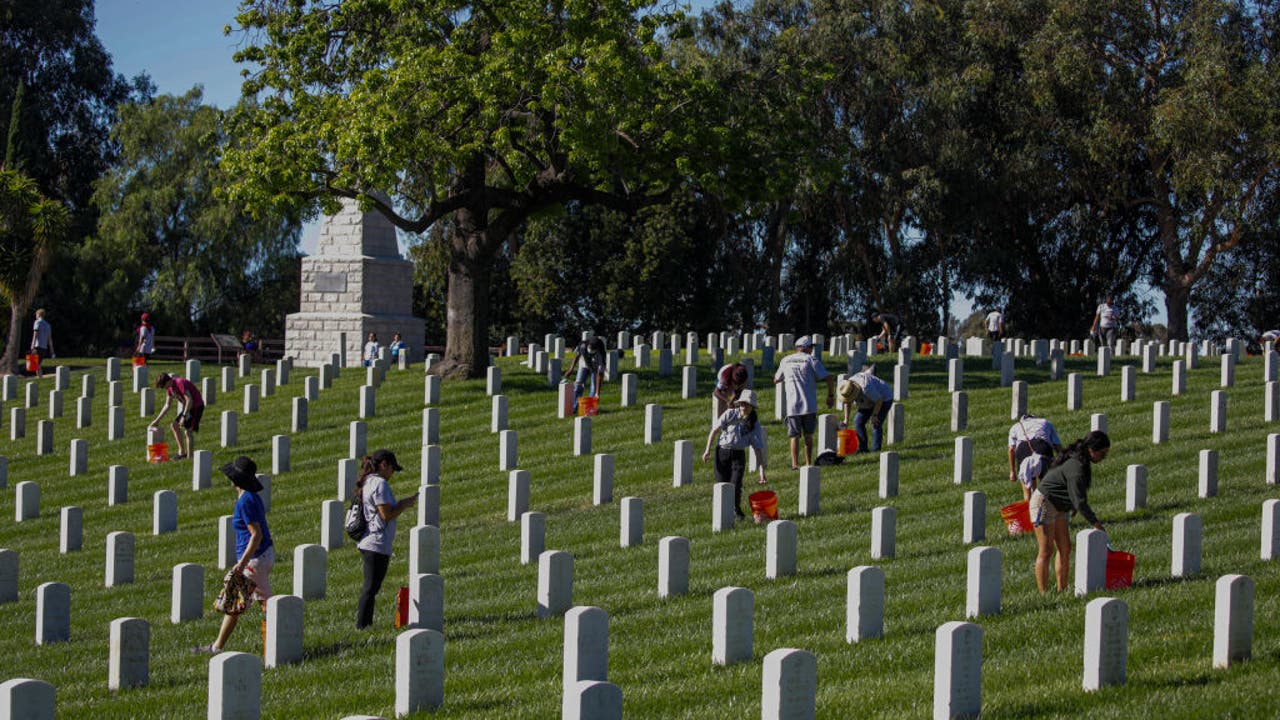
{"points": [[555, 571]]}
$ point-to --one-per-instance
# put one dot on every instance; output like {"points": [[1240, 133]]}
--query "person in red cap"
{"points": [[380, 509], [144, 338]]}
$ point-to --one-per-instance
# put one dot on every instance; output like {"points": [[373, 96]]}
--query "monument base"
{"points": [[313, 337]]}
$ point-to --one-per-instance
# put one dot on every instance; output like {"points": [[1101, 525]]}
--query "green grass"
{"points": [[502, 661]]}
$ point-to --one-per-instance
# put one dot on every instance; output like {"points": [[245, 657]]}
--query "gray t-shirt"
{"points": [[800, 373], [377, 491]]}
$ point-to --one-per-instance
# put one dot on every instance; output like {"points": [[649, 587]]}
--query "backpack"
{"points": [[355, 523]]}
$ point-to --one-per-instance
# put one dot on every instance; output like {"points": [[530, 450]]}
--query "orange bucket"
{"points": [[764, 504], [1017, 517], [158, 452], [1119, 569], [926, 349], [588, 406], [139, 360], [33, 363], [846, 442], [402, 607]]}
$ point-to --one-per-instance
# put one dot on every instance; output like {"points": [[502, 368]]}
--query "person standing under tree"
{"points": [[254, 546], [995, 325], [380, 509], [890, 330], [799, 374], [41, 340], [190, 410]]}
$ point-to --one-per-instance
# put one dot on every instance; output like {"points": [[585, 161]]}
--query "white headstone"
{"points": [[431, 465], [507, 450], [368, 401], [883, 530], [682, 463], [533, 534], [1104, 361], [1218, 412], [975, 516], [429, 505], [1090, 561], [586, 648], [186, 601], [27, 699], [348, 471], [8, 575], [1232, 620], [722, 507], [493, 380], [44, 437], [673, 566], [957, 671], [426, 602], [789, 686], [780, 549], [235, 684], [555, 583], [84, 412], [959, 411], [1208, 486], [117, 485], [888, 475], [298, 421], [602, 483], [431, 426], [357, 439], [1106, 643], [628, 390], [1160, 422], [1098, 421], [71, 530], [498, 415], [631, 530], [1228, 370], [592, 700], [310, 571], [517, 494], [1188, 535], [1271, 402], [284, 630], [119, 558], [810, 490], [250, 399], [53, 613], [983, 589], [230, 427], [689, 382], [962, 462], [129, 660], [864, 609], [164, 512], [732, 620], [581, 436], [26, 505], [1135, 496], [1270, 532], [652, 424]]}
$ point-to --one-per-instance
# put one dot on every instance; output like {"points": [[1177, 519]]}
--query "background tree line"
{"points": [[781, 164]]}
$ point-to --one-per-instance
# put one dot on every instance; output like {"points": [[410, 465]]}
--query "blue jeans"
{"points": [[580, 384], [860, 426]]}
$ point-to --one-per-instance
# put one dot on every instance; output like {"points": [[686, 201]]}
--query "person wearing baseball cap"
{"points": [[254, 547], [380, 509], [799, 374], [144, 338], [738, 428]]}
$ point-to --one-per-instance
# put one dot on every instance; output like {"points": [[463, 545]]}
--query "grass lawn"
{"points": [[501, 661]]}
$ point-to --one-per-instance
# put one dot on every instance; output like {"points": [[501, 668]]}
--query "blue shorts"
{"points": [[801, 424]]}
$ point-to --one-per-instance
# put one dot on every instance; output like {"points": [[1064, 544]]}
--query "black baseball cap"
{"points": [[384, 455]]}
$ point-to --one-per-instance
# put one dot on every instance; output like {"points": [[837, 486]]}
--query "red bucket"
{"points": [[402, 607], [158, 452], [588, 406], [1017, 517], [764, 504], [33, 364], [926, 348], [139, 360], [846, 442], [1120, 569]]}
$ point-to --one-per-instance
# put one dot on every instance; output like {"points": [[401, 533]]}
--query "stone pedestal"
{"points": [[356, 283]]}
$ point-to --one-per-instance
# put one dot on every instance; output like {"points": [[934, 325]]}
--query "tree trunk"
{"points": [[466, 351], [1176, 297], [9, 364]]}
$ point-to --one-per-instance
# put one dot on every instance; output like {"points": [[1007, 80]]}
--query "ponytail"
{"points": [[367, 468], [1096, 440]]}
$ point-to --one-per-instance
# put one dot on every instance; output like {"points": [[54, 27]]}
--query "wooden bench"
{"points": [[216, 348]]}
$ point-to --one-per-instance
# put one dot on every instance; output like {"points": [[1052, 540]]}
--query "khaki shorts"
{"points": [[1043, 513], [259, 571]]}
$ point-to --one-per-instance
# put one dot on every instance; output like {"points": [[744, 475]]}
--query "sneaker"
{"points": [[205, 650]]}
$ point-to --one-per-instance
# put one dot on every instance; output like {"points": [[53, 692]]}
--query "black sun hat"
{"points": [[243, 473]]}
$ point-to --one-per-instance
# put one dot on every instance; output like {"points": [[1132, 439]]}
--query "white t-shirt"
{"points": [[800, 373], [146, 339], [1106, 316], [994, 318], [371, 349], [377, 491], [40, 334]]}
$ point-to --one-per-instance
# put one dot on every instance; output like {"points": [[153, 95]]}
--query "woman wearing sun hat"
{"points": [[253, 541], [738, 428]]}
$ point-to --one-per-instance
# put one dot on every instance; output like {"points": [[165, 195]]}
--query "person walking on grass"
{"points": [[254, 548], [371, 350], [1105, 322], [738, 428], [1033, 441], [995, 325], [869, 399], [41, 341], [380, 509], [144, 338], [799, 374], [1062, 491], [190, 410]]}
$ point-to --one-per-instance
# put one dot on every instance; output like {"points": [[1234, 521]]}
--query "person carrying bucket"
{"points": [[1033, 441], [738, 428], [190, 410], [588, 359], [1065, 490], [872, 398]]}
